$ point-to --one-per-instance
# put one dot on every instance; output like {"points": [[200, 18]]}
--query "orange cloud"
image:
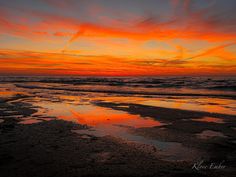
{"points": [[92, 30], [213, 50], [193, 27], [26, 62]]}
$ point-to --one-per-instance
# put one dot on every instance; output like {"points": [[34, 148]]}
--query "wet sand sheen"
{"points": [[106, 121], [210, 119]]}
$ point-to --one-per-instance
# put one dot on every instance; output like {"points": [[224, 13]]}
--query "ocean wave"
{"points": [[214, 83], [131, 91]]}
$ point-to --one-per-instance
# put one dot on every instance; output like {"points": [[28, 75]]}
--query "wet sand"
{"points": [[53, 147], [180, 128]]}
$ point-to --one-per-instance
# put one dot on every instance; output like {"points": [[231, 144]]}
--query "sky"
{"points": [[118, 37]]}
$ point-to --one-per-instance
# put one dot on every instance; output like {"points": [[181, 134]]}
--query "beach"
{"points": [[57, 129]]}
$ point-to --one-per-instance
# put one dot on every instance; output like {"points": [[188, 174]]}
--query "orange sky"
{"points": [[117, 38]]}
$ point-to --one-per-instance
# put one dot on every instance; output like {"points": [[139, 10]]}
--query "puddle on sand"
{"points": [[210, 119], [6, 92], [95, 116], [106, 121], [207, 134], [214, 105], [171, 151]]}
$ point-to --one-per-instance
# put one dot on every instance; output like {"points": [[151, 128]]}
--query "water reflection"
{"points": [[8, 93], [106, 121], [210, 119], [200, 103], [214, 105], [171, 151], [95, 116]]}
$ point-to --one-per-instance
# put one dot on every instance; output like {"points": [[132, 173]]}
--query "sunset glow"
{"points": [[118, 38]]}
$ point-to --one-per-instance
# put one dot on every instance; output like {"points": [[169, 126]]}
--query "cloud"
{"points": [[41, 63], [199, 24], [28, 62], [62, 4], [211, 51]]}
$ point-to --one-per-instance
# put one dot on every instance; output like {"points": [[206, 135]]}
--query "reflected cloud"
{"points": [[210, 119]]}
